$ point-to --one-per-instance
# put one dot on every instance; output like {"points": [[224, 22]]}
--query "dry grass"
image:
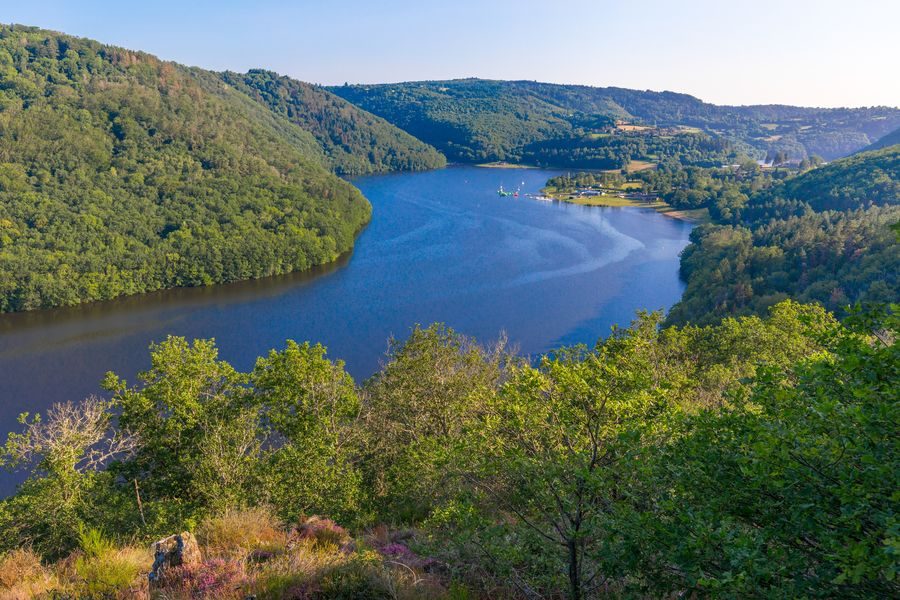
{"points": [[321, 561], [23, 576], [237, 532], [117, 573], [19, 565], [632, 185]]}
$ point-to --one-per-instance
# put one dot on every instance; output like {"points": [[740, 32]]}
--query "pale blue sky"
{"points": [[815, 53]]}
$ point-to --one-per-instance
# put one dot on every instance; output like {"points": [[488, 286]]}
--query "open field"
{"points": [[505, 165], [609, 201], [640, 165], [634, 127], [700, 215]]}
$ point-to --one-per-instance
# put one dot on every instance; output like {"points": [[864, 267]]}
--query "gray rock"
{"points": [[174, 551]]}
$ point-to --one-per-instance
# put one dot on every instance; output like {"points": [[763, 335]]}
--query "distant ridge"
{"points": [[483, 120]]}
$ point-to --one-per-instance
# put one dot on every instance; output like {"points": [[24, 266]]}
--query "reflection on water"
{"points": [[60, 327], [442, 246]]}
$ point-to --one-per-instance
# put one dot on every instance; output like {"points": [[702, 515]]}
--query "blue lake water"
{"points": [[442, 246]]}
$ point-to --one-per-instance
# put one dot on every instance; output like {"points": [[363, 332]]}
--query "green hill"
{"points": [[483, 120], [859, 181], [122, 174], [354, 141], [469, 121], [825, 236]]}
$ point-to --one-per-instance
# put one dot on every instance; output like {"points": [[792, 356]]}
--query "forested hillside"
{"points": [[826, 236], [859, 181], [483, 120], [121, 174], [470, 121], [354, 141], [754, 458]]}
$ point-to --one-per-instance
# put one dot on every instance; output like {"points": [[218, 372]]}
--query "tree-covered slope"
{"points": [[475, 120], [825, 236], [858, 181], [469, 120], [354, 141], [121, 174]]}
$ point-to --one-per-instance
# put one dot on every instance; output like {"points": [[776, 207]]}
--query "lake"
{"points": [[442, 246]]}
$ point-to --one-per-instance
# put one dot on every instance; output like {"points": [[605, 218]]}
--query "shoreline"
{"points": [[696, 216]]}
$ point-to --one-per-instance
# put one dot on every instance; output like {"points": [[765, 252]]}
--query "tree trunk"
{"points": [[574, 577]]}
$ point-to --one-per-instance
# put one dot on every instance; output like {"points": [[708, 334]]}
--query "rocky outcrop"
{"points": [[174, 551]]}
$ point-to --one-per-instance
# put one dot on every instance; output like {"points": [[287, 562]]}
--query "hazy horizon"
{"points": [[737, 54]]}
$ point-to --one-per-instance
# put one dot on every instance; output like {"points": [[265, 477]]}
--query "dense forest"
{"points": [[354, 142], [753, 458], [478, 122], [121, 174], [617, 150], [475, 120], [825, 235]]}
